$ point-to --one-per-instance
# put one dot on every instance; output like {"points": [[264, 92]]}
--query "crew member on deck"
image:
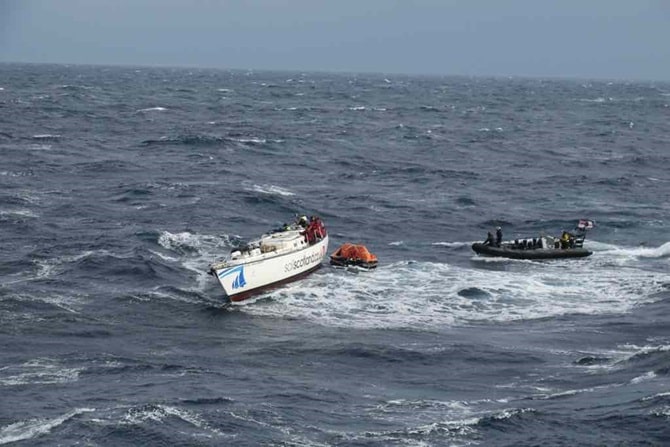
{"points": [[498, 236], [565, 239], [489, 239], [316, 228], [312, 232]]}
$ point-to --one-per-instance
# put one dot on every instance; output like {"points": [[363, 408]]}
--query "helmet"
{"points": [[498, 228]]}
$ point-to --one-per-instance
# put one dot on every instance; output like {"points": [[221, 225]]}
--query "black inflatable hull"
{"points": [[340, 262], [536, 253]]}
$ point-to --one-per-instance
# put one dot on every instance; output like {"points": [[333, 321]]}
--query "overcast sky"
{"points": [[609, 39]]}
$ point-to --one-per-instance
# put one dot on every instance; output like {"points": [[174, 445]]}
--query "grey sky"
{"points": [[612, 39]]}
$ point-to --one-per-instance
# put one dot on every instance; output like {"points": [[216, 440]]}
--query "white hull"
{"points": [[290, 258]]}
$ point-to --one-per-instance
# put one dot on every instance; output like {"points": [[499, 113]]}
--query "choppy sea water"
{"points": [[119, 185]]}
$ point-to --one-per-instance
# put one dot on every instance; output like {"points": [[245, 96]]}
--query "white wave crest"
{"points": [[18, 213], [625, 254], [511, 412], [38, 371], [49, 267], [68, 303], [615, 358], [660, 252], [272, 190], [158, 413], [657, 396], [631, 351], [191, 241], [662, 412], [456, 417], [596, 100], [20, 431], [252, 140], [41, 147], [411, 416], [151, 109], [644, 377]]}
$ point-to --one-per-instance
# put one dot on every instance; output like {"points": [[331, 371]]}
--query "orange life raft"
{"points": [[353, 255]]}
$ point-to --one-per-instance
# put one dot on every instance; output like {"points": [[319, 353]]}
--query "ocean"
{"points": [[120, 185]]}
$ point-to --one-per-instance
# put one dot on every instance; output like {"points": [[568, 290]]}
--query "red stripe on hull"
{"points": [[249, 293]]}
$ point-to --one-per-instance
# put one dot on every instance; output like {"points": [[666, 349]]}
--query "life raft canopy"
{"points": [[353, 255]]}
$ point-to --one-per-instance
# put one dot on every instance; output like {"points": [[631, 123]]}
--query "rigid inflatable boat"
{"points": [[543, 247]]}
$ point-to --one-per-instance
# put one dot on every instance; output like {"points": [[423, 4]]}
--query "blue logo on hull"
{"points": [[239, 281]]}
